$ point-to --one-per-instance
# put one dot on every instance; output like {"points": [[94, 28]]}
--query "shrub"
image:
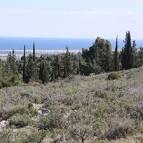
{"points": [[19, 120], [5, 136], [51, 121], [118, 132], [7, 113], [82, 132], [33, 137], [113, 76], [137, 112], [4, 83], [21, 109], [13, 80], [10, 81]]}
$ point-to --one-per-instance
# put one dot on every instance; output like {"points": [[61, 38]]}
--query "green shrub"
{"points": [[113, 76], [4, 83], [5, 136], [118, 132], [13, 80], [5, 114], [51, 121], [33, 137], [81, 132], [17, 109], [19, 120]]}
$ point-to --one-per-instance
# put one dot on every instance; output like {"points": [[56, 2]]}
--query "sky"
{"points": [[71, 18]]}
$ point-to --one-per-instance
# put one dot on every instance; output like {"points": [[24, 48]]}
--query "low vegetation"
{"points": [[105, 108]]}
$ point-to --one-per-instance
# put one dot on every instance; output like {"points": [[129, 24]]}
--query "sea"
{"points": [[50, 45]]}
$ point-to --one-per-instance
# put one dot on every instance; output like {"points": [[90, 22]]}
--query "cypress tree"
{"points": [[13, 64], [79, 65], [44, 73], [127, 52], [116, 59], [8, 64], [134, 55], [29, 69], [34, 52], [67, 63], [35, 69], [55, 68], [24, 64]]}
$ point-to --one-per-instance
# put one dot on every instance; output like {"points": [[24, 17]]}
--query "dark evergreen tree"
{"points": [[116, 58], [67, 63], [29, 69], [35, 68], [44, 73], [55, 68], [127, 53], [24, 65], [34, 56], [134, 55], [12, 63], [8, 64]]}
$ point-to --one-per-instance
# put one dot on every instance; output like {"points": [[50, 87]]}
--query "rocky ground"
{"points": [[94, 109]]}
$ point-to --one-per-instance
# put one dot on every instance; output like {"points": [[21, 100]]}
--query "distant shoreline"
{"points": [[39, 52]]}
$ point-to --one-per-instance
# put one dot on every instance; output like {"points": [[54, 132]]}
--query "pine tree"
{"points": [[24, 64], [44, 73], [116, 58]]}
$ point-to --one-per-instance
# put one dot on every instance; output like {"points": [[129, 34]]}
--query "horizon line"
{"points": [[47, 37]]}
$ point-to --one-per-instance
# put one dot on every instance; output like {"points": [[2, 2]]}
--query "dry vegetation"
{"points": [[107, 108]]}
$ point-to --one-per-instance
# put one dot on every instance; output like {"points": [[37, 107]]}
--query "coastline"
{"points": [[39, 52]]}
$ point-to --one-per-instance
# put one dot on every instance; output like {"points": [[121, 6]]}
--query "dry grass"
{"points": [[82, 109]]}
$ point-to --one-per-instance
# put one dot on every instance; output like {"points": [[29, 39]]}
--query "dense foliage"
{"points": [[98, 58]]}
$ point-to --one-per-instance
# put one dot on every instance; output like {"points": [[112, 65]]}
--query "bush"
{"points": [[118, 132], [81, 132], [21, 109], [113, 76], [19, 120], [5, 114], [5, 136], [10, 81], [51, 121], [4, 83], [33, 137], [13, 80]]}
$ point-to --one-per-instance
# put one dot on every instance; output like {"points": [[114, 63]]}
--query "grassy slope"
{"points": [[90, 108]]}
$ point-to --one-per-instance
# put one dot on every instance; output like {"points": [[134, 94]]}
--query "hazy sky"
{"points": [[71, 18]]}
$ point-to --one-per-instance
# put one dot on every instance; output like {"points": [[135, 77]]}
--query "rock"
{"points": [[44, 110], [47, 139], [37, 106], [3, 124]]}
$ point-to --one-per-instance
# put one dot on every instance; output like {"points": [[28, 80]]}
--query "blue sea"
{"points": [[50, 45]]}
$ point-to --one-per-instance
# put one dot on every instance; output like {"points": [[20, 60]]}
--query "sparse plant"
{"points": [[19, 120], [113, 76]]}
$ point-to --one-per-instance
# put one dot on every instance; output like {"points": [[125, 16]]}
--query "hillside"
{"points": [[78, 110]]}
